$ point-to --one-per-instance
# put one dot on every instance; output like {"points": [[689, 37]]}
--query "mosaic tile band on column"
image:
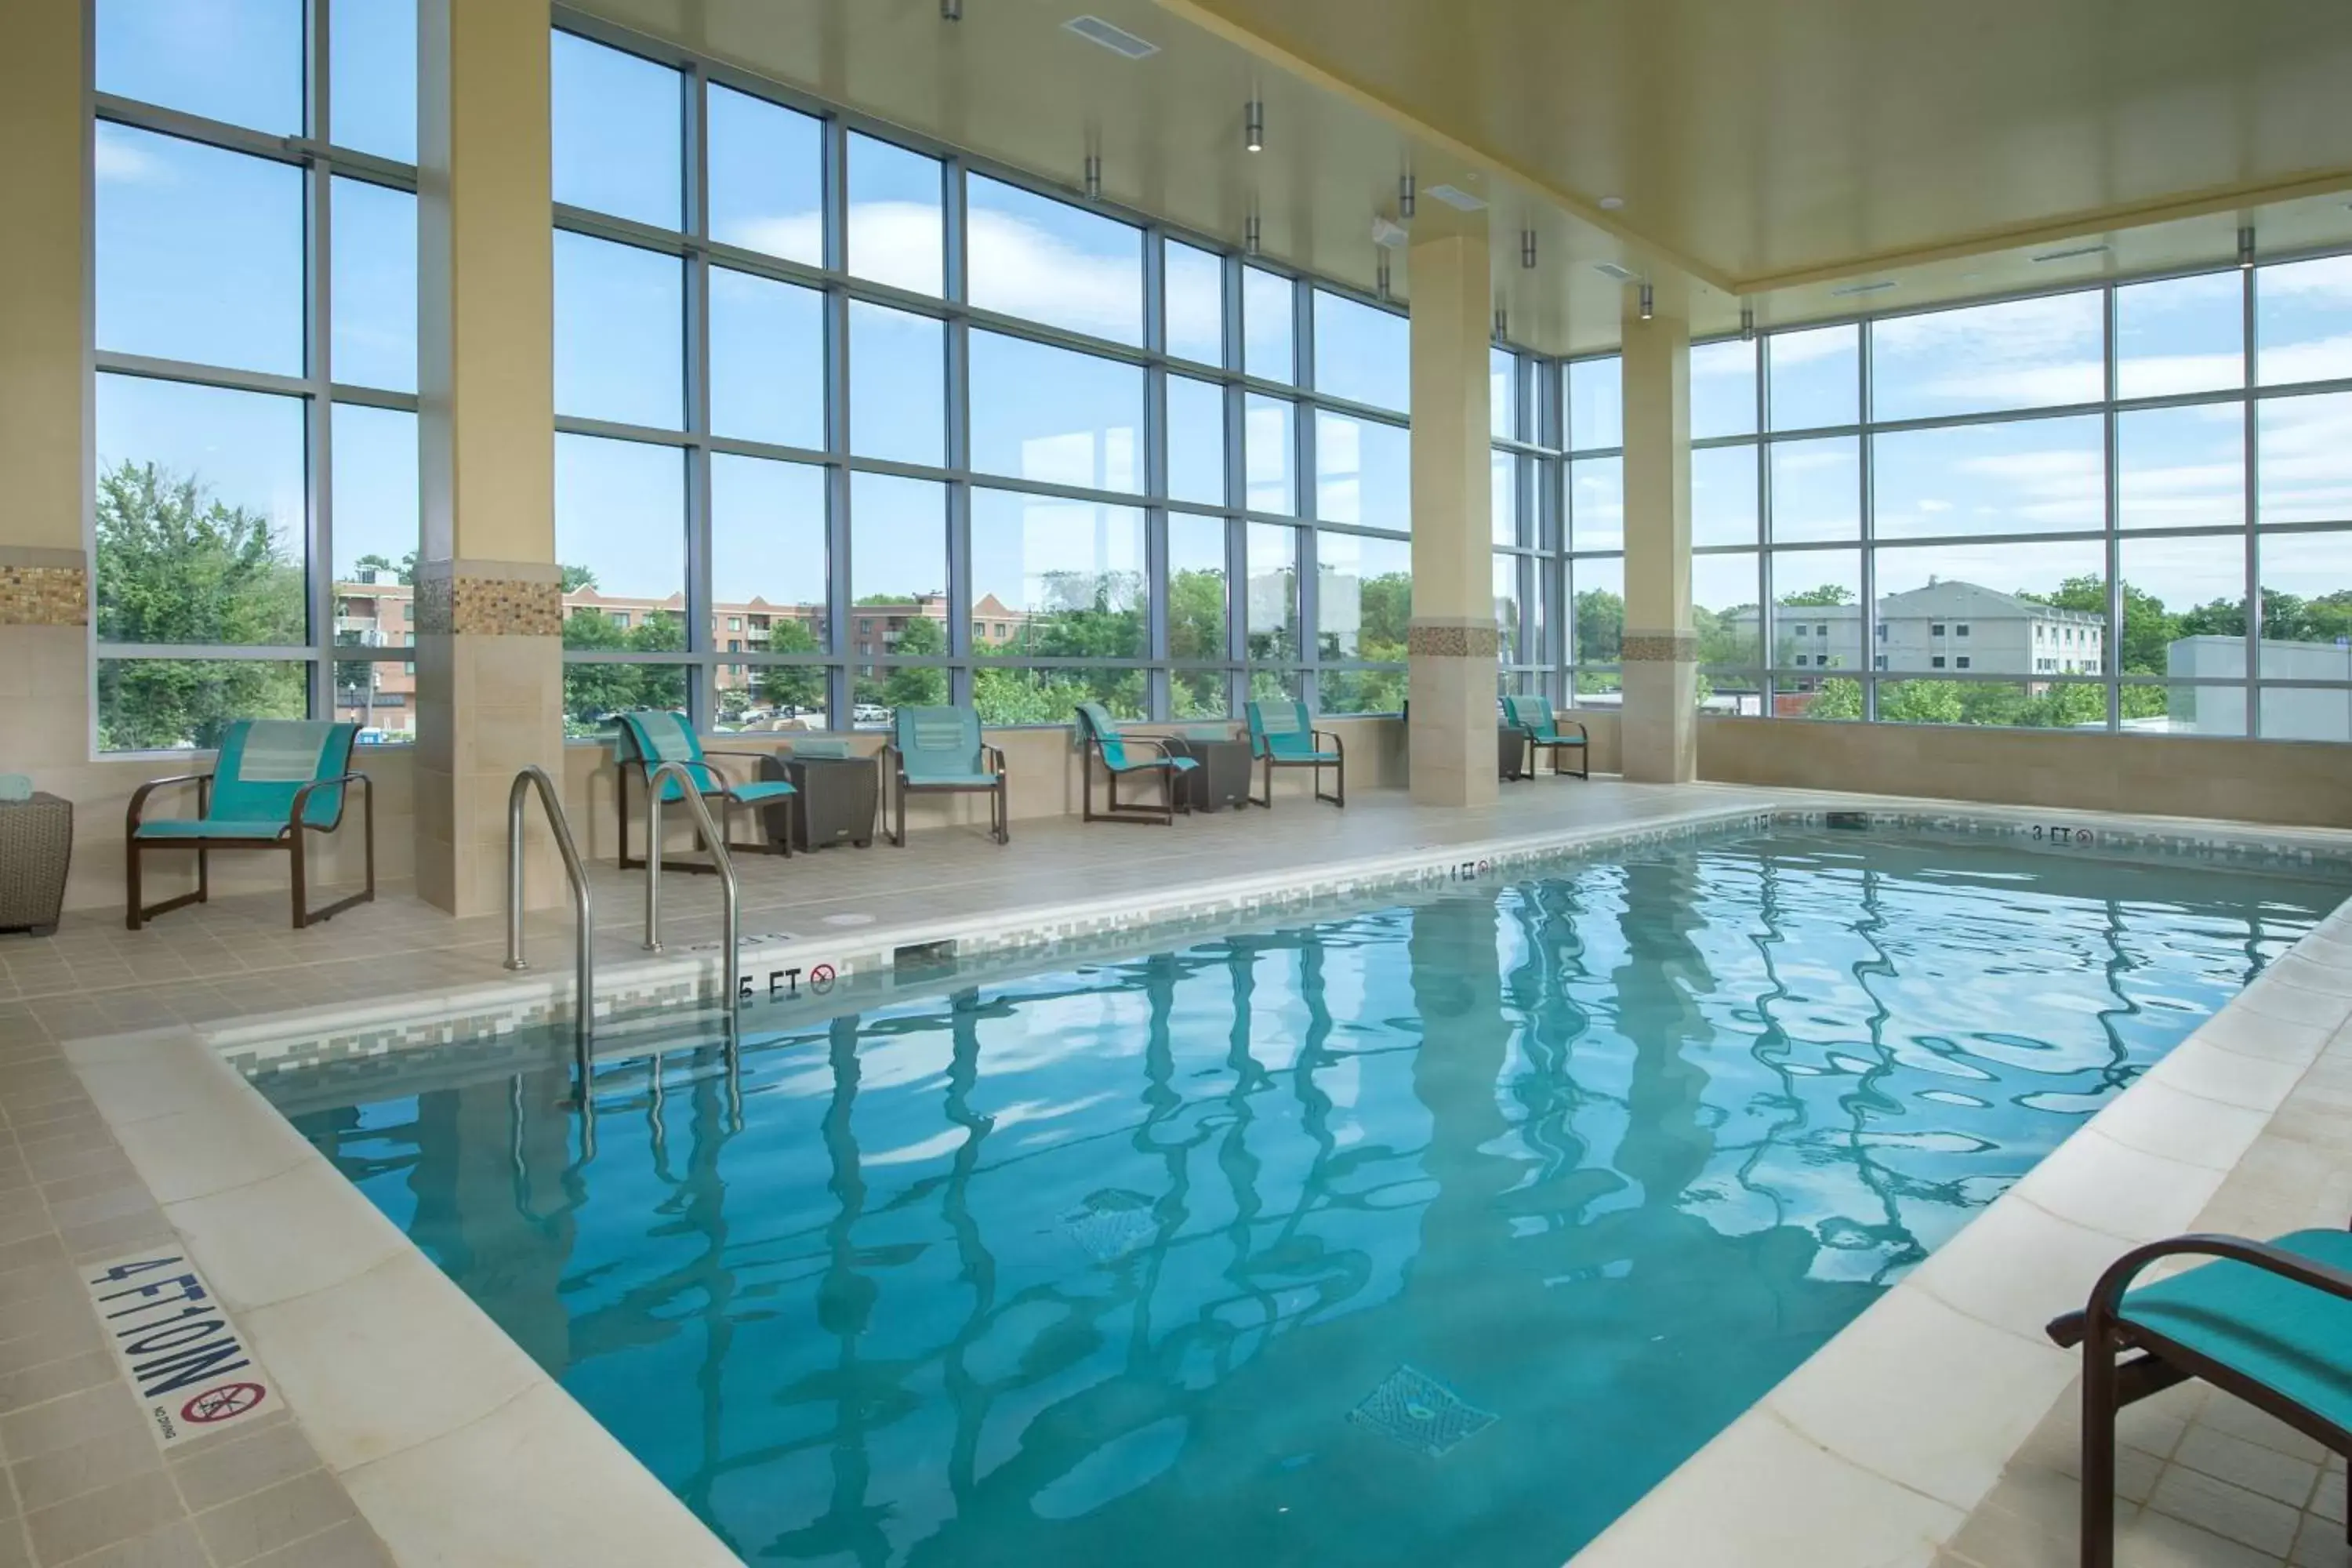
{"points": [[44, 596]]}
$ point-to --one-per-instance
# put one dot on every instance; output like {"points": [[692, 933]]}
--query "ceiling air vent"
{"points": [[1117, 40], [1455, 197], [1610, 269], [2070, 255], [1865, 288]]}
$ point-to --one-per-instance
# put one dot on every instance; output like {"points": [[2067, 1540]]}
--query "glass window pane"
{"points": [[2302, 321], [1817, 632], [1502, 392], [2013, 704], [1725, 613], [1044, 260], [898, 567], [767, 360], [1596, 504], [202, 515], [1596, 616], [2182, 468], [594, 693], [374, 292], [1722, 389], [2307, 600], [1051, 696], [2306, 458], [1363, 589], [897, 384], [2181, 334], [1363, 472], [1267, 347], [1596, 404], [2037, 476], [1196, 591], [1816, 377], [768, 588], [617, 129], [2023, 354], [199, 253], [1502, 493], [620, 535], [1267, 449], [1057, 579], [620, 332], [895, 235], [1362, 354], [1199, 694], [237, 60], [184, 704], [1817, 490], [2008, 609], [2184, 612], [1272, 593], [375, 495], [1196, 441], [2308, 713], [1722, 495], [371, 50], [1195, 286], [1509, 570], [767, 176], [1055, 415]]}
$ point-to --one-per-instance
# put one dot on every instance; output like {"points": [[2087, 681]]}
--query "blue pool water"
{"points": [[1436, 1232]]}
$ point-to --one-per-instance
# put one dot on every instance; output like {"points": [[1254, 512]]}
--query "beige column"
{"points": [[1660, 725], [1452, 644], [490, 669], [44, 439]]}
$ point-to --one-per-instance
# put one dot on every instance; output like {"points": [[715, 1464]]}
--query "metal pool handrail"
{"points": [[730, 958], [582, 902]]}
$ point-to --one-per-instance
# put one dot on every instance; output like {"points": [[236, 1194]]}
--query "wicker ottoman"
{"points": [[36, 847]]}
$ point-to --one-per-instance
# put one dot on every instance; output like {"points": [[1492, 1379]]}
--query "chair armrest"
{"points": [[1322, 735], [2107, 1295], [303, 796], [995, 751], [203, 783], [894, 761], [753, 757], [1582, 732]]}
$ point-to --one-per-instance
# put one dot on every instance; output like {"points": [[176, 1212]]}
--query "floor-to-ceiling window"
{"points": [[255, 518]]}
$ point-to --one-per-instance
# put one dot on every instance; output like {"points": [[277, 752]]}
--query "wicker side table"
{"points": [[36, 847]]}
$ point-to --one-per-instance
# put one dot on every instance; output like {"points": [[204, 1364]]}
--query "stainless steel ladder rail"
{"points": [[583, 906], [730, 892]]}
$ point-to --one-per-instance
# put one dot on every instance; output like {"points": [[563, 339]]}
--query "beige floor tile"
{"points": [[347, 1545], [173, 1546], [2320, 1543], [2232, 1511], [2282, 1477], [122, 1511], [238, 1531], [219, 1472]]}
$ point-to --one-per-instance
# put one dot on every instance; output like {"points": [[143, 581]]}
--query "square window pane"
{"points": [[767, 360], [1195, 287], [1725, 609], [1272, 593], [898, 567], [1503, 497], [2035, 476], [1196, 591], [2306, 458], [1363, 472], [620, 534], [1057, 579], [1508, 577], [1596, 404], [1016, 696], [1596, 504], [2185, 607], [2179, 707], [1055, 415], [768, 586], [1363, 603], [897, 384], [1597, 611], [1816, 377], [2029, 609], [1722, 495], [200, 253], [1722, 389], [379, 695], [1043, 260], [1501, 392], [1817, 490], [1196, 441], [2182, 468], [202, 515], [2307, 605], [1361, 352], [2181, 334], [2009, 704], [2302, 321], [1268, 448], [2023, 354], [767, 176], [878, 691], [896, 233], [617, 129], [374, 293], [1199, 694], [1277, 685], [1817, 631], [620, 332], [2308, 713], [594, 693], [1342, 691], [1268, 348], [188, 704], [234, 60], [375, 501], [371, 50]]}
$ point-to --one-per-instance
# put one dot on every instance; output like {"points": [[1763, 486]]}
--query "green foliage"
{"points": [[1827, 594], [1600, 626], [1837, 699], [575, 578], [1196, 615], [791, 686], [592, 693]]}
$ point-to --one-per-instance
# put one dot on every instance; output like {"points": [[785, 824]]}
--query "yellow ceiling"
{"points": [[1769, 149]]}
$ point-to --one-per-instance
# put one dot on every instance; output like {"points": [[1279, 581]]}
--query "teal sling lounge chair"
{"points": [[938, 750], [1539, 731], [275, 782], [1283, 735], [650, 737], [1099, 736], [2269, 1321]]}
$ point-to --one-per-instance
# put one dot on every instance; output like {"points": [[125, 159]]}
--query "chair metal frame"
{"points": [[728, 805], [1532, 747], [1322, 739], [1093, 745], [136, 913], [894, 768]]}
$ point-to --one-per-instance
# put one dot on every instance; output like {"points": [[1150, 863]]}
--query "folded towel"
{"points": [[820, 749], [16, 787]]}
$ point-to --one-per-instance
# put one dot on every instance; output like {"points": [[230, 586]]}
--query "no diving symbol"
{"points": [[220, 1403], [820, 978]]}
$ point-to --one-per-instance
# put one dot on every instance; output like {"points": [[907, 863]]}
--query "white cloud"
{"points": [[120, 160], [1020, 269]]}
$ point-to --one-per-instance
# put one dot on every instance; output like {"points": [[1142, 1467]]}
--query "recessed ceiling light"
{"points": [[1611, 204], [1865, 288], [2068, 254], [1455, 197], [1117, 40], [1610, 269]]}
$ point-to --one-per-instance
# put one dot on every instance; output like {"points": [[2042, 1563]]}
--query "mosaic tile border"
{"points": [[44, 596], [1659, 647], [1424, 641], [490, 607]]}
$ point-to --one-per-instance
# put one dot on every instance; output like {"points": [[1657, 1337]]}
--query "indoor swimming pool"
{"points": [[1436, 1230]]}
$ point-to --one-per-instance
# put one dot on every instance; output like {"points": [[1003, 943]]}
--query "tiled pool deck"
{"points": [[2207, 1481]]}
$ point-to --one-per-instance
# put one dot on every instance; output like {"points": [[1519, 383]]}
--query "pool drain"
{"points": [[1111, 1225], [1416, 1410]]}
